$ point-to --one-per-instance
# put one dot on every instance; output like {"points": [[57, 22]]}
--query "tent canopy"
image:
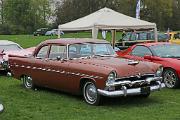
{"points": [[106, 19]]}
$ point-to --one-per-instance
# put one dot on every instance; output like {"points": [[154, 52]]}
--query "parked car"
{"points": [[53, 32], [131, 38], [9, 47], [164, 53], [174, 37], [40, 31], [86, 66], [143, 35]]}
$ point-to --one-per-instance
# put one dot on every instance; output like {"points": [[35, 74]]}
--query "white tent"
{"points": [[107, 19]]}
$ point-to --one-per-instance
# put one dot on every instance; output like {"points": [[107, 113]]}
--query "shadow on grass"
{"points": [[3, 73], [129, 101]]}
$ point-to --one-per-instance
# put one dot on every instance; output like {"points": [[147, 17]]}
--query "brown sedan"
{"points": [[86, 66]]}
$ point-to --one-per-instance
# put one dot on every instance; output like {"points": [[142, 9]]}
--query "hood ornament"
{"points": [[138, 75]]}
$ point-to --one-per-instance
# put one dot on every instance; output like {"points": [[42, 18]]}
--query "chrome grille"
{"points": [[136, 77]]}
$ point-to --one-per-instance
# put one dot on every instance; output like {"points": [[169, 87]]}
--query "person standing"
{"points": [[104, 32]]}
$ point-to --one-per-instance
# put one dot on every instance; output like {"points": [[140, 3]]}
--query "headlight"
{"points": [[111, 78], [159, 71]]}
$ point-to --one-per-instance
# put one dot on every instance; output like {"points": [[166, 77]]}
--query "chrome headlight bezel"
{"points": [[111, 78], [159, 71]]}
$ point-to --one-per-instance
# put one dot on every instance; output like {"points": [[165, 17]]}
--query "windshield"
{"points": [[88, 49], [166, 50], [10, 47]]}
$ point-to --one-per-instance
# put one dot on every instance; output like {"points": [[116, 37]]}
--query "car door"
{"points": [[57, 71], [39, 64]]}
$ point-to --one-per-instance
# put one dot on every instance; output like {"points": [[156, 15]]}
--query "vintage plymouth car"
{"points": [[163, 53], [86, 66], [8, 47]]}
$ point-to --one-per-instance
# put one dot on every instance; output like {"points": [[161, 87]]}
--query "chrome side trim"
{"points": [[57, 71]]}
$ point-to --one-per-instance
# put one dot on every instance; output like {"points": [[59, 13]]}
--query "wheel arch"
{"points": [[83, 81]]}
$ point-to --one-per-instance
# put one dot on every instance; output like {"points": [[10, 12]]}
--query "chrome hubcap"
{"points": [[91, 92], [170, 79], [27, 81]]}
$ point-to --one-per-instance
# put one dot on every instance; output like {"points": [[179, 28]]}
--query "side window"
{"points": [[101, 49], [141, 51], [42, 52], [85, 50], [57, 51]]}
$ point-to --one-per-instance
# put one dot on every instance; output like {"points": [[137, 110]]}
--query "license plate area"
{"points": [[145, 90]]}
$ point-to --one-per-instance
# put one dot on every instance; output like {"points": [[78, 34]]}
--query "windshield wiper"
{"points": [[171, 56], [103, 55]]}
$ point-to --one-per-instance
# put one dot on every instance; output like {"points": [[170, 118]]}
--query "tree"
{"points": [[1, 11], [165, 13], [26, 15]]}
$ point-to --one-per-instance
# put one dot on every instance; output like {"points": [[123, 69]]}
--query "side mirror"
{"points": [[2, 52], [58, 58], [149, 57]]}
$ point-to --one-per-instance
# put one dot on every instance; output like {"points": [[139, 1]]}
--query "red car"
{"points": [[166, 54], [86, 66]]}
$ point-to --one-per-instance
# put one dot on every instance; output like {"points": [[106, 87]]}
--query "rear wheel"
{"points": [[90, 93], [27, 82], [170, 78]]}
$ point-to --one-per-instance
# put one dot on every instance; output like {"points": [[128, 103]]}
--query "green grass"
{"points": [[45, 104], [30, 40]]}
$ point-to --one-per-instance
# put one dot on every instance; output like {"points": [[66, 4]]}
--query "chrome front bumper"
{"points": [[133, 91]]}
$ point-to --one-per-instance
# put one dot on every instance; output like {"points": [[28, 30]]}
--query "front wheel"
{"points": [[90, 93], [170, 78], [27, 82]]}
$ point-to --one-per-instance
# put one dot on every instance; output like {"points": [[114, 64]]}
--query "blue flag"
{"points": [[138, 9]]}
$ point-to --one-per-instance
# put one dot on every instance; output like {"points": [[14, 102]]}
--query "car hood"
{"points": [[121, 66]]}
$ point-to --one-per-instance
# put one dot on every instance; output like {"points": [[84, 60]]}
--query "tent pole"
{"points": [[155, 34], [95, 32], [113, 38], [59, 34]]}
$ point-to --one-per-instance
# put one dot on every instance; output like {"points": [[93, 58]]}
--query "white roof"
{"points": [[106, 19], [6, 42]]}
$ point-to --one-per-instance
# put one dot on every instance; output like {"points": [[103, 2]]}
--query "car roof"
{"points": [[154, 43], [65, 41], [6, 42]]}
